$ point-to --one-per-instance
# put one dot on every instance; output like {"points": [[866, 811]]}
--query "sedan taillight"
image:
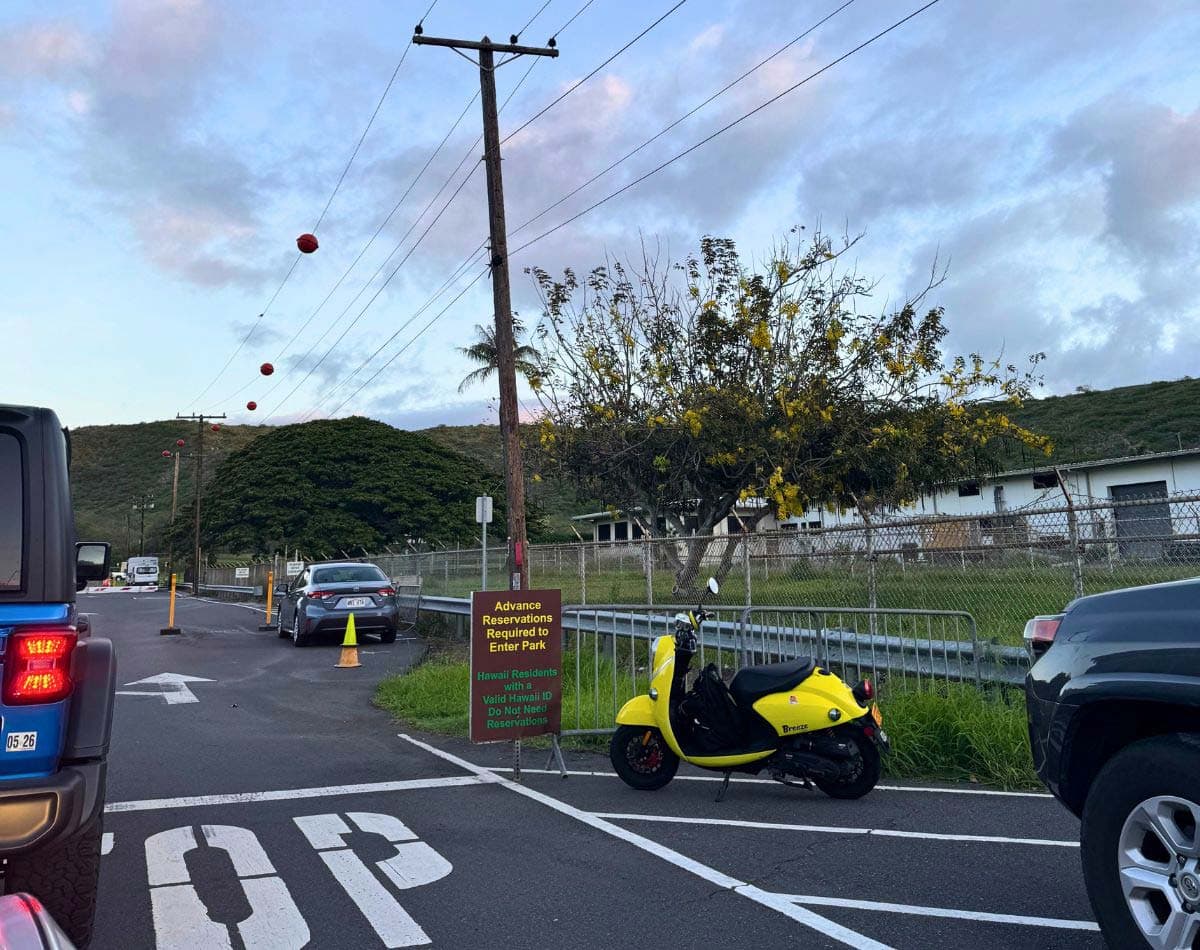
{"points": [[37, 666], [386, 592], [320, 594]]}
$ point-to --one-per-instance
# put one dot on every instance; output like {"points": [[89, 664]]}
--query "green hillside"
{"points": [[113, 465], [1108, 423]]}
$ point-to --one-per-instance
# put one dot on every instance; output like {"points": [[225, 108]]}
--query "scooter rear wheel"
{"points": [[863, 779], [642, 757]]}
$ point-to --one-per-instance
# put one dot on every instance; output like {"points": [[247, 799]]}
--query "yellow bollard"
{"points": [[170, 629], [349, 658], [266, 624]]}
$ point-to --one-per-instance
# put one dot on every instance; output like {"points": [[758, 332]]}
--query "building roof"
{"points": [[1085, 466]]}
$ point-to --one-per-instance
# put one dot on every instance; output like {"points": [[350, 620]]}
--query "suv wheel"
{"points": [[1141, 845], [63, 876]]}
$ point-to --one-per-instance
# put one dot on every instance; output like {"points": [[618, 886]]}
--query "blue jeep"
{"points": [[57, 682]]}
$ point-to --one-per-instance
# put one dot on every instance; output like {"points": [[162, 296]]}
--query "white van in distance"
{"points": [[142, 571]]}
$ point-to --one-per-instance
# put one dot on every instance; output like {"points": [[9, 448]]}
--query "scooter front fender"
{"points": [[639, 711]]}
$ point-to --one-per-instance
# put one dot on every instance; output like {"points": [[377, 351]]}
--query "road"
{"points": [[267, 803]]}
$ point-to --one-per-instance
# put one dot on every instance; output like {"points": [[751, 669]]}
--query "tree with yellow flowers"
{"points": [[680, 389]]}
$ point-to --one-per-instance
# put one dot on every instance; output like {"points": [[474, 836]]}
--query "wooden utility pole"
{"points": [[199, 420], [506, 370], [175, 485]]}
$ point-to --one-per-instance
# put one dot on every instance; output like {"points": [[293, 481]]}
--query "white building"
{"points": [[1140, 477]]}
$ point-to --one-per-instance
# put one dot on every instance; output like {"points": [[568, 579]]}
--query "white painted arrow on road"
{"points": [[171, 686]]}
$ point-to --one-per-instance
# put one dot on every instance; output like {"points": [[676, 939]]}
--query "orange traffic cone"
{"points": [[349, 658]]}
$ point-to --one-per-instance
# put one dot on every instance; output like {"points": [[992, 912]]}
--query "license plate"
{"points": [[876, 714], [356, 602]]}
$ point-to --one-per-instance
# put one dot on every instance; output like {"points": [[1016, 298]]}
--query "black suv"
{"points": [[56, 682], [1114, 723]]}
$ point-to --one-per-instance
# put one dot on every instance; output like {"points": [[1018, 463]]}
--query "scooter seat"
{"points": [[752, 683]]}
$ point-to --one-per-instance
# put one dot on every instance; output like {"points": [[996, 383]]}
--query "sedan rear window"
{"points": [[12, 511], [349, 574]]}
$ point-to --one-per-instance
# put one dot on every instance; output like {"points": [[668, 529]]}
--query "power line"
{"points": [[574, 17], [457, 272], [387, 259], [374, 296], [654, 171], [416, 336], [576, 85], [366, 247], [324, 211], [687, 115], [541, 10], [721, 131]]}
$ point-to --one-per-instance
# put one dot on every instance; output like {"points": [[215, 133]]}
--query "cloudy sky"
{"points": [[161, 156]]}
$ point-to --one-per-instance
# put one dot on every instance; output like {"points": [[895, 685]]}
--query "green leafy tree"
{"points": [[682, 389], [339, 486], [484, 352]]}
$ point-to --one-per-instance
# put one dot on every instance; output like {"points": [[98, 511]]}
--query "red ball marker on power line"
{"points": [[166, 453], [266, 369], [215, 427], [251, 405], [307, 243], [179, 442]]}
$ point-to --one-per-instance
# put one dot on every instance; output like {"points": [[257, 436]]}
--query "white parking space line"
{"points": [[784, 906], [928, 790], [288, 794], [837, 830], [1056, 923]]}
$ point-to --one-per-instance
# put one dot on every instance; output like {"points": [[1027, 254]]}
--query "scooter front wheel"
{"points": [[862, 778], [642, 757]]}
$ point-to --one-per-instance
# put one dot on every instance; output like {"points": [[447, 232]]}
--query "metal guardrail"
{"points": [[234, 589], [946, 649], [608, 648]]}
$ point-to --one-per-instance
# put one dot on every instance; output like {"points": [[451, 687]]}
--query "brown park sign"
{"points": [[516, 664]]}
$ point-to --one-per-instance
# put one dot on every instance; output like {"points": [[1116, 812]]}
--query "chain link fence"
{"points": [[1001, 568]]}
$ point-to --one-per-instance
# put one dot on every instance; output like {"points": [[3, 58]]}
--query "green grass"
{"points": [[952, 732]]}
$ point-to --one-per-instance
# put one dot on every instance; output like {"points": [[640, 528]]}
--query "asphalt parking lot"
{"points": [[280, 809]]}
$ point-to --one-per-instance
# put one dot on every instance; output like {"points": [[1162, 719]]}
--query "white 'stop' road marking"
{"points": [[788, 908], [931, 789], [287, 794], [837, 830]]}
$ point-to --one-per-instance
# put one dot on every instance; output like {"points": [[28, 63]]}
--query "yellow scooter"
{"points": [[796, 720]]}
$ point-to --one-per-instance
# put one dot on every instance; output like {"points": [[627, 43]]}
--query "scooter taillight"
{"points": [[864, 692]]}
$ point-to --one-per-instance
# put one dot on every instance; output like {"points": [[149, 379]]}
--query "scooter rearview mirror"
{"points": [[713, 586]]}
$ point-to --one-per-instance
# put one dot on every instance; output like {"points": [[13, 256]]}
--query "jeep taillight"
{"points": [[37, 666], [1040, 633]]}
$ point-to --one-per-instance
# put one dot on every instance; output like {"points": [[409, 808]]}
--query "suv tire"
{"points": [[64, 876], [1162, 767]]}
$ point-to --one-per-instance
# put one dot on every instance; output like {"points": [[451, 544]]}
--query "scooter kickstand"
{"points": [[724, 786]]}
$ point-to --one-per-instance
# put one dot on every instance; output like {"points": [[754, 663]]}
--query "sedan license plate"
{"points": [[876, 714], [353, 602]]}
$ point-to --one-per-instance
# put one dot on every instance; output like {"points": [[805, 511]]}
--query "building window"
{"points": [[603, 532], [637, 531], [968, 489], [732, 525], [1044, 480], [621, 531], [814, 525], [789, 526]]}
